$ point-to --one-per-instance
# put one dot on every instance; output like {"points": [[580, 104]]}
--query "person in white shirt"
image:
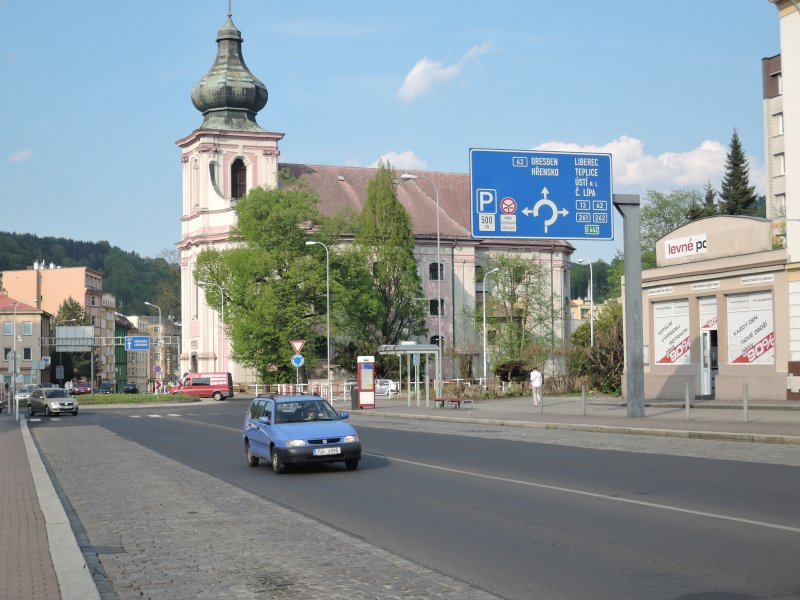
{"points": [[536, 385]]}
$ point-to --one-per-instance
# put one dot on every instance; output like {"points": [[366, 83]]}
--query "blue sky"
{"points": [[97, 92]]}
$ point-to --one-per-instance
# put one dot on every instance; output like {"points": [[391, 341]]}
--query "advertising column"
{"points": [[366, 381]]}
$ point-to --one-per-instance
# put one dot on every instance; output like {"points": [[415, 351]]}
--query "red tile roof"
{"points": [[346, 187]]}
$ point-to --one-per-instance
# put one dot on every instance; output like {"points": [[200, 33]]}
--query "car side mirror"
{"points": [[344, 414], [265, 419]]}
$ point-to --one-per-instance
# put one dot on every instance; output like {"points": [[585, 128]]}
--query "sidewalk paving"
{"points": [[41, 560]]}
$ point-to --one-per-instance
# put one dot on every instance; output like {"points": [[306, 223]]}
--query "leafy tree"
{"points": [[523, 311], [603, 363], [661, 214], [737, 195], [708, 208], [384, 243], [579, 281], [270, 280]]}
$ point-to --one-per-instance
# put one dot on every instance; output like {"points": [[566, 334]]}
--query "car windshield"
{"points": [[297, 411], [56, 393]]}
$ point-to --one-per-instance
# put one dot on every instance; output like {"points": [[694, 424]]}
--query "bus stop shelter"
{"points": [[413, 354]]}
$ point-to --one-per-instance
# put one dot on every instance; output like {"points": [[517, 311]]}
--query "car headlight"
{"points": [[350, 439], [295, 443]]}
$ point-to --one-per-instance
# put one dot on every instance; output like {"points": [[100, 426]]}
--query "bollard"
{"points": [[744, 401], [688, 404], [583, 398]]}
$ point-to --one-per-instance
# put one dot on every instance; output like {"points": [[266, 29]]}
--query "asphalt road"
{"points": [[518, 519]]}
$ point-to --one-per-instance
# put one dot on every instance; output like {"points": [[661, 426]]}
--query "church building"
{"points": [[230, 154]]}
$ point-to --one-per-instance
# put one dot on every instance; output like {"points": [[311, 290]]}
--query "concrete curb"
{"points": [[74, 577], [754, 438]]}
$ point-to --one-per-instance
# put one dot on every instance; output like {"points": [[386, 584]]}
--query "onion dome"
{"points": [[229, 96]]}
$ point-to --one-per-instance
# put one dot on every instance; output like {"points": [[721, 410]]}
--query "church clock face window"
{"points": [[238, 179]]}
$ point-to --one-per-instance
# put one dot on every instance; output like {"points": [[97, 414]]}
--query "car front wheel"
{"points": [[47, 411], [75, 413], [31, 412], [351, 464], [217, 396], [252, 459], [277, 466]]}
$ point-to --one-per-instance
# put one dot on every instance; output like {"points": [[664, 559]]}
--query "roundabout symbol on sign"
{"points": [[508, 205], [298, 360]]}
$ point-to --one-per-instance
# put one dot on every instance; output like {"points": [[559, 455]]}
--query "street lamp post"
{"points": [[160, 345], [591, 301], [484, 322], [222, 320], [328, 306], [410, 176]]}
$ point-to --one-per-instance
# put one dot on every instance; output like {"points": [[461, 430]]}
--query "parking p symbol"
{"points": [[487, 201]]}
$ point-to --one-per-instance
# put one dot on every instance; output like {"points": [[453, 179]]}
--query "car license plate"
{"points": [[327, 451]]}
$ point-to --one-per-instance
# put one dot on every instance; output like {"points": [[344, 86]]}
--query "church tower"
{"points": [[228, 155]]}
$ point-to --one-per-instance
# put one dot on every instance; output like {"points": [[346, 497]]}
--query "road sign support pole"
{"points": [[629, 207]]}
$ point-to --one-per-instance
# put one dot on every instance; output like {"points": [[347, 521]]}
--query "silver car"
{"points": [[24, 392], [52, 401]]}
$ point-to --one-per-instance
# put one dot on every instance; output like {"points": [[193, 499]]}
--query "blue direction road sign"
{"points": [[540, 195], [298, 360], [137, 342]]}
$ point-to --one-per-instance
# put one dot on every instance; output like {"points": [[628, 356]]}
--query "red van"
{"points": [[206, 385]]}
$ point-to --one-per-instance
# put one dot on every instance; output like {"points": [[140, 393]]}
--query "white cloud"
{"points": [[21, 156], [402, 160], [427, 73], [635, 171]]}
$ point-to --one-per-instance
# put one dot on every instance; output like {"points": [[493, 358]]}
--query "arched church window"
{"points": [[238, 179]]}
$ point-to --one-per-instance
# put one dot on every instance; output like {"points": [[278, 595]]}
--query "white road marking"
{"points": [[555, 488]]}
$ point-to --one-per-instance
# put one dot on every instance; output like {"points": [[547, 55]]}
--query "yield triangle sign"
{"points": [[298, 345]]}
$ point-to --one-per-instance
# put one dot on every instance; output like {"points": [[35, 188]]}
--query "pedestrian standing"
{"points": [[536, 385]]}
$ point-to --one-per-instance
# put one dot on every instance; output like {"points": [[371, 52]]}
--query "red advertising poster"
{"points": [[671, 329], [751, 333]]}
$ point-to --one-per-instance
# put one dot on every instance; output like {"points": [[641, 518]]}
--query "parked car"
{"points": [[24, 391], [130, 388], [298, 429], [105, 388], [51, 401], [81, 388], [386, 387]]}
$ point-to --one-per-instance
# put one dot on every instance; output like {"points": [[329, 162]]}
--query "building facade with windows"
{"points": [[230, 154], [24, 325], [52, 285]]}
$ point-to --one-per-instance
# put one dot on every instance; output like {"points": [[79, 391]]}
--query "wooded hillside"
{"points": [[131, 278]]}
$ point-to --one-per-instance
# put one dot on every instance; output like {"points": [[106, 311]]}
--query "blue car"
{"points": [[298, 429]]}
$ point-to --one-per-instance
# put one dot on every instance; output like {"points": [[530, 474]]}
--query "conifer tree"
{"points": [[737, 195]]}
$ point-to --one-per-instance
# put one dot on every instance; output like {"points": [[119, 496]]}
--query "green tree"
{"points": [[602, 363], [385, 243], [523, 313], [271, 292], [661, 214], [737, 196], [706, 208]]}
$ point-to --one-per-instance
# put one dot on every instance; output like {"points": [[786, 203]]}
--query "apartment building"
{"points": [[51, 285]]}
